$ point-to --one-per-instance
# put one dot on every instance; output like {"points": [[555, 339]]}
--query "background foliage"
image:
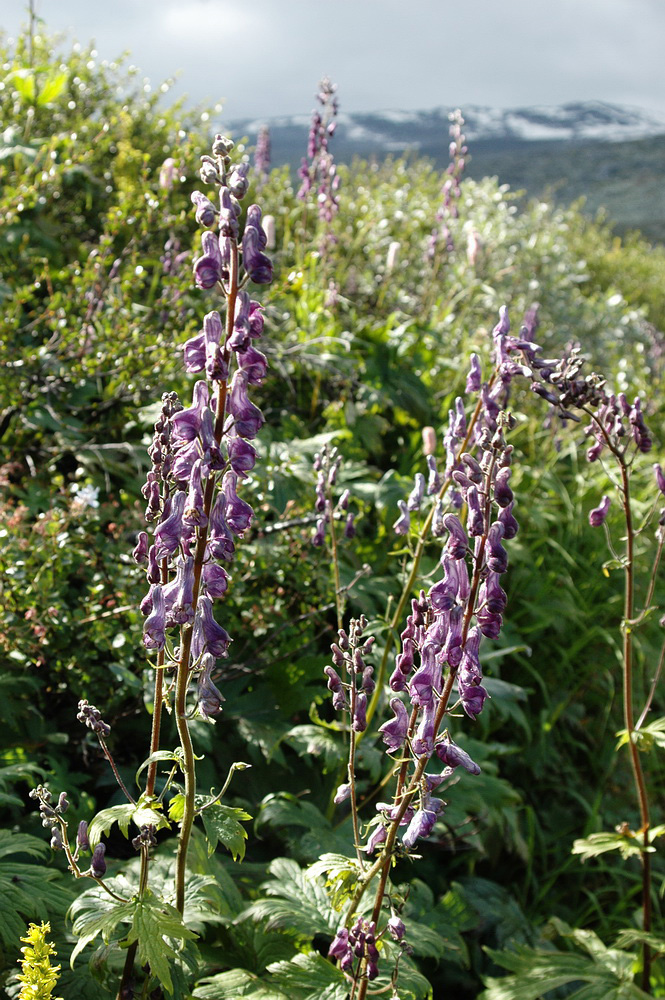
{"points": [[95, 254]]}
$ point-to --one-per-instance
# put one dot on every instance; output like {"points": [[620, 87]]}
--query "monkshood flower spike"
{"points": [[201, 455]]}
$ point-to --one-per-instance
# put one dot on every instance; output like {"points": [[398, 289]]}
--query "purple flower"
{"points": [[257, 264], [377, 837], [417, 493], [403, 522], [97, 862], [208, 268], [342, 794], [433, 479], [497, 560], [502, 491], [423, 738], [187, 423], [155, 624], [169, 533], [215, 579], [458, 543], [453, 755], [208, 697], [253, 365], [216, 638], [423, 822], [140, 552], [242, 454], [359, 724], [319, 533], [238, 513], [598, 514], [248, 418], [349, 526], [508, 521], [180, 599], [193, 513], [660, 478], [220, 539], [82, 841], [205, 210], [474, 378], [427, 678], [394, 731]]}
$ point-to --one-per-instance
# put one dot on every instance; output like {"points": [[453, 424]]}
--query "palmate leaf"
{"points": [[316, 741], [95, 912], [22, 843], [223, 823], [342, 875], [605, 974], [309, 977], [28, 892], [294, 902], [600, 843], [237, 983], [153, 921], [143, 813]]}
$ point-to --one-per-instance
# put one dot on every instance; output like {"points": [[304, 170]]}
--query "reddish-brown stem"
{"points": [[638, 773], [415, 565], [183, 675]]}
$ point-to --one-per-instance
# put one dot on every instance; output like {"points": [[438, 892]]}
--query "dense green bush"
{"points": [[96, 242]]}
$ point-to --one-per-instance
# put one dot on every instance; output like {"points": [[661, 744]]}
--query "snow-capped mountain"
{"points": [[426, 132]]}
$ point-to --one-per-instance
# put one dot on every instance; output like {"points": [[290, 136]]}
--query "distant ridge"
{"points": [[618, 162], [392, 131]]}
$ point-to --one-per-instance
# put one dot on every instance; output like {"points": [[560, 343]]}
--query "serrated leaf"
{"points": [[236, 983], [224, 823], [177, 807], [600, 843], [21, 843], [104, 820], [95, 912], [309, 977], [341, 877], [155, 920], [294, 901], [632, 936], [123, 814], [318, 742], [28, 892], [536, 971]]}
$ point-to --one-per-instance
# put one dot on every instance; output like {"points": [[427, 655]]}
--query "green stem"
{"points": [[408, 588], [629, 722], [182, 681]]}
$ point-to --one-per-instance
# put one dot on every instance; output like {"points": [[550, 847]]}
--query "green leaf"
{"points": [[309, 977], [237, 983], [28, 892], [172, 755], [154, 920], [224, 823], [342, 876], [318, 742], [95, 912], [24, 82], [22, 843], [104, 820], [145, 812], [294, 901], [607, 972], [632, 936], [51, 89], [599, 843], [177, 807]]}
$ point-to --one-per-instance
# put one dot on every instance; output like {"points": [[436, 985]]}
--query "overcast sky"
{"points": [[263, 58]]}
